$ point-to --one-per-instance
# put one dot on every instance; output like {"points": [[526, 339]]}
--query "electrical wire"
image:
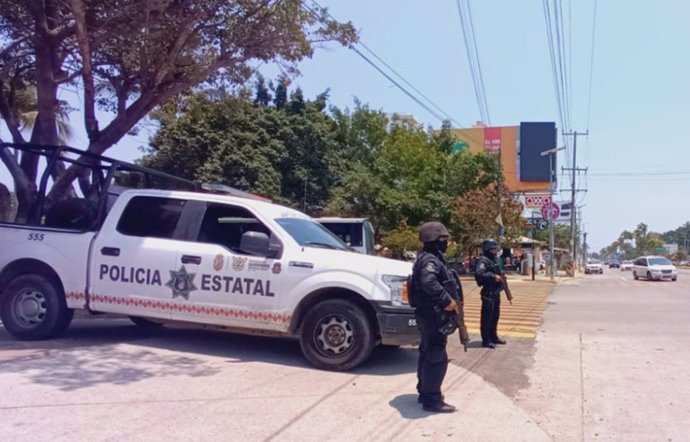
{"points": [[474, 63], [435, 113], [591, 63]]}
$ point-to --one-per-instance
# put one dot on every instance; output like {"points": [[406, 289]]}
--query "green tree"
{"points": [[286, 154], [561, 235], [401, 239], [474, 217], [229, 141], [129, 57]]}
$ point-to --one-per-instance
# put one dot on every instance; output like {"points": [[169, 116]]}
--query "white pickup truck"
{"points": [[241, 264]]}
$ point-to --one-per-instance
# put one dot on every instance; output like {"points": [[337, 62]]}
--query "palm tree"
{"points": [[26, 101]]}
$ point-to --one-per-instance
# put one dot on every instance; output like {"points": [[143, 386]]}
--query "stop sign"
{"points": [[550, 211]]}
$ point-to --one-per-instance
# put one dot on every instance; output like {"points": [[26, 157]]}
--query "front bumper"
{"points": [[662, 276], [397, 325]]}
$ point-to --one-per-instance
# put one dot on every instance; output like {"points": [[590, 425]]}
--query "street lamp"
{"points": [[551, 153]]}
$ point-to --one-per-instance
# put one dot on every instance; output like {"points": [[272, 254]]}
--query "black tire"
{"points": [[649, 276], [674, 279], [336, 335], [32, 307], [635, 277], [145, 323]]}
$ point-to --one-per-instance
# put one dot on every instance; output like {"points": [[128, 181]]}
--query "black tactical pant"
{"points": [[433, 359], [491, 309]]}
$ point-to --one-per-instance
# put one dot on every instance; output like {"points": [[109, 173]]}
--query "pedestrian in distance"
{"points": [[491, 279], [431, 299]]}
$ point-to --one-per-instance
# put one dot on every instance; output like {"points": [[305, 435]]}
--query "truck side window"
{"points": [[151, 217], [225, 224]]}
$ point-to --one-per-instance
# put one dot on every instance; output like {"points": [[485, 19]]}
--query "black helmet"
{"points": [[489, 244], [432, 231]]}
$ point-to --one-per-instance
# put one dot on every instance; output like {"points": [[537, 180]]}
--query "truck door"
{"points": [[231, 286], [134, 257]]}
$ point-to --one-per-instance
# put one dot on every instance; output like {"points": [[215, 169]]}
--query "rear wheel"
{"points": [[336, 335], [635, 277], [33, 307]]}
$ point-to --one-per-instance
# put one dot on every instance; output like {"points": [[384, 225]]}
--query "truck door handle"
{"points": [[189, 259], [110, 251]]}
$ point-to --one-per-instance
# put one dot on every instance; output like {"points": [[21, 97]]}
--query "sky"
{"points": [[637, 119]]}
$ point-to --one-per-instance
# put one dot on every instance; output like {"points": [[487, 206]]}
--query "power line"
{"points": [[469, 38], [591, 63], [552, 27], [636, 174], [435, 114]]}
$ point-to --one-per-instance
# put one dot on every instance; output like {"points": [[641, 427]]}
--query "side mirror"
{"points": [[259, 244]]}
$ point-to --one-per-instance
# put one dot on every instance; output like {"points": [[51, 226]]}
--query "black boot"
{"points": [[440, 407]]}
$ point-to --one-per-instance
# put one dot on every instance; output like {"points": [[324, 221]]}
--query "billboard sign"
{"points": [[534, 139]]}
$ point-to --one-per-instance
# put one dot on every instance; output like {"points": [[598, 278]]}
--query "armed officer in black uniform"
{"points": [[490, 277], [431, 299]]}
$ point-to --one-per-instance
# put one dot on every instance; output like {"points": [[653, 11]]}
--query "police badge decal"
{"points": [[181, 283], [218, 262], [238, 263], [276, 268]]}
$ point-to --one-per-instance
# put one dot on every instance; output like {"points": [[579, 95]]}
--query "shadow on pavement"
{"points": [[73, 369], [86, 354], [407, 406]]}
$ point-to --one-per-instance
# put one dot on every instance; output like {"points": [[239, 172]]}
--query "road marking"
{"points": [[521, 320]]}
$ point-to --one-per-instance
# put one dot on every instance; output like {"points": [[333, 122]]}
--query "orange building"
{"points": [[492, 139]]}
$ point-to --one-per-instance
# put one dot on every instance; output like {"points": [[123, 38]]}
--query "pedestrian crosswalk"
{"points": [[521, 319]]}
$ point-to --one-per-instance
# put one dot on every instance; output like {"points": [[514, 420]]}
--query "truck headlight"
{"points": [[398, 288]]}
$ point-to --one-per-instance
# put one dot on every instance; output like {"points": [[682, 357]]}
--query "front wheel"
{"points": [[649, 276], [635, 277], [32, 307], [336, 335]]}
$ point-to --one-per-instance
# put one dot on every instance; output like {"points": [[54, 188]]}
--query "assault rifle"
{"points": [[509, 294], [452, 321]]}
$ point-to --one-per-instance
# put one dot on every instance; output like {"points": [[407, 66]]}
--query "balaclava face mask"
{"points": [[442, 245]]}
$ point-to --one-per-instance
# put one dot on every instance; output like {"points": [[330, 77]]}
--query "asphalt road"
{"points": [[611, 360], [608, 362]]}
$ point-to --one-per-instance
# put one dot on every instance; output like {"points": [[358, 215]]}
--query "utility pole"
{"points": [[551, 153], [573, 190]]}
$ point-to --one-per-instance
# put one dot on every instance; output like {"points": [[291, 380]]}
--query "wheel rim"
{"points": [[29, 308], [334, 336]]}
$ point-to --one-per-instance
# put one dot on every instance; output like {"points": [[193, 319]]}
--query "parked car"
{"points": [[594, 266], [626, 265], [654, 268], [614, 264]]}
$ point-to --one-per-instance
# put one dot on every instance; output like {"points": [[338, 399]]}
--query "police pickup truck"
{"points": [[238, 263]]}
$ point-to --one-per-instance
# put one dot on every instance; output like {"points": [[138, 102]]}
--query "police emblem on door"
{"points": [[181, 283], [276, 268], [218, 262], [238, 263]]}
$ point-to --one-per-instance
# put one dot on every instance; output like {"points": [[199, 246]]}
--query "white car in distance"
{"points": [[626, 266], [654, 268], [594, 266]]}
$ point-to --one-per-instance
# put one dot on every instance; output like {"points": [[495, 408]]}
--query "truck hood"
{"points": [[324, 259]]}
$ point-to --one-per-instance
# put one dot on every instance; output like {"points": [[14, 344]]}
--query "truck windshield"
{"points": [[310, 233]]}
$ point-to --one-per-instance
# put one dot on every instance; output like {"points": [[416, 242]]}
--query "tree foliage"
{"points": [[129, 56], [474, 216], [285, 153]]}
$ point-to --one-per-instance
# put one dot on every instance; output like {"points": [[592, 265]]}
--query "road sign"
{"points": [[535, 201], [550, 211]]}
